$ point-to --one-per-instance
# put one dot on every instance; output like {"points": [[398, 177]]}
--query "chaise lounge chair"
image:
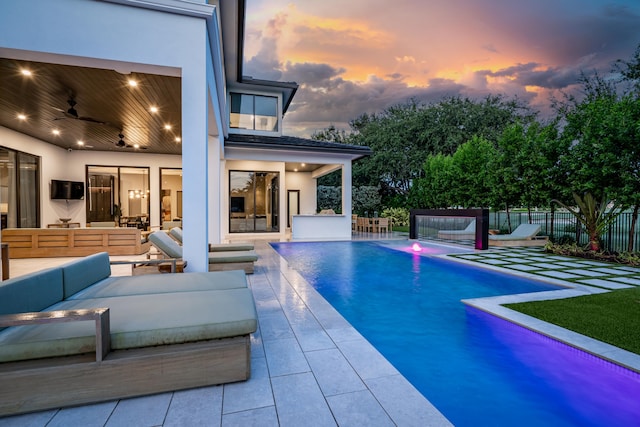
{"points": [[468, 233], [524, 235], [176, 233], [218, 261]]}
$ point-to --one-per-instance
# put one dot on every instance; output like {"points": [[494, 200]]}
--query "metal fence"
{"points": [[566, 228]]}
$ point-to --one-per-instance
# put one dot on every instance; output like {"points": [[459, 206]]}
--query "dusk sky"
{"points": [[355, 56]]}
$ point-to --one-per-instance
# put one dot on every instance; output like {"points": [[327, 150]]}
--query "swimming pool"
{"points": [[475, 368]]}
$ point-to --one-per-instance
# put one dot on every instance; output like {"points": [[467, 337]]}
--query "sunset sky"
{"points": [[355, 56]]}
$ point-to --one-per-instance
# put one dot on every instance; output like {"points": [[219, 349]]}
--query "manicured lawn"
{"points": [[612, 317]]}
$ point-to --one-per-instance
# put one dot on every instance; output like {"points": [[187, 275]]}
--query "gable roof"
{"points": [[295, 143]]}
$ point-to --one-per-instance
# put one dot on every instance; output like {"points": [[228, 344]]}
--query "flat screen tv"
{"points": [[237, 204], [68, 190]]}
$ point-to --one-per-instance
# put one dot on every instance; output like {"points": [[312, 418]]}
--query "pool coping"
{"points": [[494, 306]]}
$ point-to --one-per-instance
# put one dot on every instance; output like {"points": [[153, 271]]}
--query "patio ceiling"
{"points": [[106, 105]]}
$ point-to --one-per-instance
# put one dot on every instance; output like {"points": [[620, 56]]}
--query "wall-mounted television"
{"points": [[237, 204], [68, 190]]}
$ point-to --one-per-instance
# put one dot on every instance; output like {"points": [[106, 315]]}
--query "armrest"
{"points": [[99, 315], [147, 261]]}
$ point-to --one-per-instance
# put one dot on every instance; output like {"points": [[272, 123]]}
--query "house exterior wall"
{"points": [[126, 38]]}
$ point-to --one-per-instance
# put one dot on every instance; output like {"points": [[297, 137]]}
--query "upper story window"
{"points": [[254, 112]]}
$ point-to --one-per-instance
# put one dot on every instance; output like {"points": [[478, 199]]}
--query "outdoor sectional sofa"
{"points": [[78, 335]]}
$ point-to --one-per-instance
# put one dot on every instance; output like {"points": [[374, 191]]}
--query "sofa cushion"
{"points": [[232, 256], [138, 321], [84, 272], [116, 286], [31, 292]]}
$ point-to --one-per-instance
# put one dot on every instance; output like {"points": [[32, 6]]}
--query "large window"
{"points": [[253, 204], [254, 112], [19, 189], [119, 194]]}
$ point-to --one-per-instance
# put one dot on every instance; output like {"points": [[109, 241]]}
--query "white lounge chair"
{"points": [[523, 235], [468, 233], [176, 233], [218, 261]]}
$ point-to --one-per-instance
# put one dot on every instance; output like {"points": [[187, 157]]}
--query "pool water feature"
{"points": [[475, 368]]}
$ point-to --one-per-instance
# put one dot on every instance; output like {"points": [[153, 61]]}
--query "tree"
{"points": [[593, 215], [331, 134], [470, 173], [603, 139], [433, 190]]}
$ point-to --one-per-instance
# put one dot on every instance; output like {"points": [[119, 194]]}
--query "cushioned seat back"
{"points": [[31, 292], [166, 244], [526, 230], [176, 233], [84, 272]]}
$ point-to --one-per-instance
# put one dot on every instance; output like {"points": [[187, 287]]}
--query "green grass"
{"points": [[404, 228], [612, 317]]}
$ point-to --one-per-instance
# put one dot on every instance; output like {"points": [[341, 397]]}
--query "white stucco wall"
{"points": [[308, 186]]}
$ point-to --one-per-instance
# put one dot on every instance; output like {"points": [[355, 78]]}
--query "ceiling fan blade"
{"points": [[92, 120]]}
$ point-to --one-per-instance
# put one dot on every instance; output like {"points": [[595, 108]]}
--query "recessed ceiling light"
{"points": [[295, 170], [303, 164], [22, 117], [26, 72], [153, 109], [132, 83], [136, 146], [80, 143], [167, 127], [178, 139], [55, 132]]}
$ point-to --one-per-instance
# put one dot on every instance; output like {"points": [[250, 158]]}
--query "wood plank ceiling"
{"points": [[106, 105]]}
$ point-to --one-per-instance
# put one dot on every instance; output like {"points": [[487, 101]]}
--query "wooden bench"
{"points": [[70, 242]]}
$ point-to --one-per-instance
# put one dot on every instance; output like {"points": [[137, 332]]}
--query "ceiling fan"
{"points": [[122, 144], [72, 113]]}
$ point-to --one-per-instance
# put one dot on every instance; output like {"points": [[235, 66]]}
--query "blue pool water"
{"points": [[477, 369]]}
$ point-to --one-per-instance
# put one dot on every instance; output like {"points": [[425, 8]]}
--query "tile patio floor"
{"points": [[311, 368]]}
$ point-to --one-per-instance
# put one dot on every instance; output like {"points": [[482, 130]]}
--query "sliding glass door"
{"points": [[253, 203], [19, 189]]}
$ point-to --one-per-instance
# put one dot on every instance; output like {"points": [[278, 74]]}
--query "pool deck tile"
{"points": [[570, 264], [604, 283], [594, 263], [611, 271], [358, 409], [524, 267], [584, 272], [627, 280], [635, 270], [559, 274], [548, 265]]}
